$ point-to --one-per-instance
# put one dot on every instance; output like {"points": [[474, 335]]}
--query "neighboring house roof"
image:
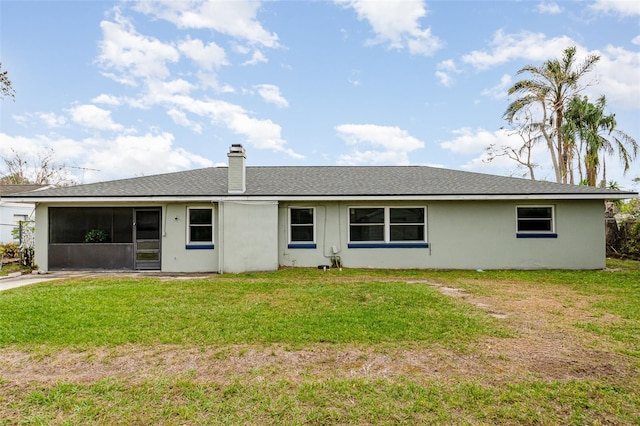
{"points": [[325, 182], [16, 189]]}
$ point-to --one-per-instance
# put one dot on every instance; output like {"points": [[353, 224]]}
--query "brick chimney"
{"points": [[237, 176]]}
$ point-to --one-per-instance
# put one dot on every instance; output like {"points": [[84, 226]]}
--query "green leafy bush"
{"points": [[630, 239], [96, 236]]}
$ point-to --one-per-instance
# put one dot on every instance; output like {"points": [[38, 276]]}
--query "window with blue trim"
{"points": [[381, 226], [302, 230], [200, 226], [535, 221]]}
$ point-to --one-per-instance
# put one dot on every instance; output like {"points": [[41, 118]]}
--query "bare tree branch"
{"points": [[43, 170], [6, 90]]}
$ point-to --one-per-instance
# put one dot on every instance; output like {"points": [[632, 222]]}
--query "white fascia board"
{"points": [[112, 200], [14, 204], [434, 197], [249, 198]]}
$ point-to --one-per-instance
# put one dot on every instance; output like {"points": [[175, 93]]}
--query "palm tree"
{"points": [[598, 134], [551, 87]]}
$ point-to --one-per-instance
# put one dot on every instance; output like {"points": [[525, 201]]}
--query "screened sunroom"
{"points": [[104, 237]]}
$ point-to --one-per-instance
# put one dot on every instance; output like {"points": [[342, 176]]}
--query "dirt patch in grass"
{"points": [[547, 342], [545, 345]]}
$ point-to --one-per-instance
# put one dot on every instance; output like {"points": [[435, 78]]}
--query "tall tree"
{"points": [[529, 133], [551, 87], [5, 85], [21, 169], [597, 132]]}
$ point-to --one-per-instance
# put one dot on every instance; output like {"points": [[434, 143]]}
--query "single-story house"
{"points": [[239, 218], [11, 212]]}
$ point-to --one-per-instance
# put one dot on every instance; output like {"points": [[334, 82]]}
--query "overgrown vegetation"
{"points": [[15, 261], [625, 241], [303, 346], [9, 250]]}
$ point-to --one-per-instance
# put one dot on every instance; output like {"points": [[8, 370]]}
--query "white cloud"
{"points": [[257, 58], [128, 154], [617, 77], [551, 8], [636, 40], [237, 18], [500, 90], [106, 100], [91, 116], [210, 80], [397, 23], [615, 74], [262, 134], [271, 94], [21, 119], [444, 72], [179, 117], [51, 119], [132, 55], [97, 159], [207, 57], [160, 91], [174, 96], [524, 45], [619, 7], [388, 145], [474, 141]]}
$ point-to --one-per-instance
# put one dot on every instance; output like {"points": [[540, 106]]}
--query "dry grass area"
{"points": [[546, 345]]}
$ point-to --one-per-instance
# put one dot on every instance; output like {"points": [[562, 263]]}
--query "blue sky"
{"points": [[122, 89]]}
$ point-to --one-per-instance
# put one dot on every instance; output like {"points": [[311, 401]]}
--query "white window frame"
{"points": [[188, 230], [313, 210], [552, 219], [387, 225]]}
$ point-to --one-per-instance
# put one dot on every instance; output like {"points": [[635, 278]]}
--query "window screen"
{"points": [[302, 225], [69, 225], [535, 219], [200, 225]]}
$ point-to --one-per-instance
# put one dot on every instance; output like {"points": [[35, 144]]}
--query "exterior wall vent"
{"points": [[237, 170]]}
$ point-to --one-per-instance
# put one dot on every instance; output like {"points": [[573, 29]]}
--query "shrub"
{"points": [[96, 236], [630, 239], [10, 251]]}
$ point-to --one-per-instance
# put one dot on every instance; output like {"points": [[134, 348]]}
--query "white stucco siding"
{"points": [[8, 213], [255, 236], [177, 254], [41, 249], [332, 239], [249, 236], [482, 235], [460, 235]]}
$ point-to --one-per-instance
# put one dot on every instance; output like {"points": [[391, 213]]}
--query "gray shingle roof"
{"points": [[326, 181], [16, 189]]}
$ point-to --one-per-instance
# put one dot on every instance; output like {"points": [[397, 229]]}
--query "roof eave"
{"points": [[324, 197]]}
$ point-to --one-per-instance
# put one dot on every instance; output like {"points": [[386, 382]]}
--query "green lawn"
{"points": [[286, 307], [302, 346]]}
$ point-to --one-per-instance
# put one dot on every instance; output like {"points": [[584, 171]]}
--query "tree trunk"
{"points": [[549, 139], [562, 149]]}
